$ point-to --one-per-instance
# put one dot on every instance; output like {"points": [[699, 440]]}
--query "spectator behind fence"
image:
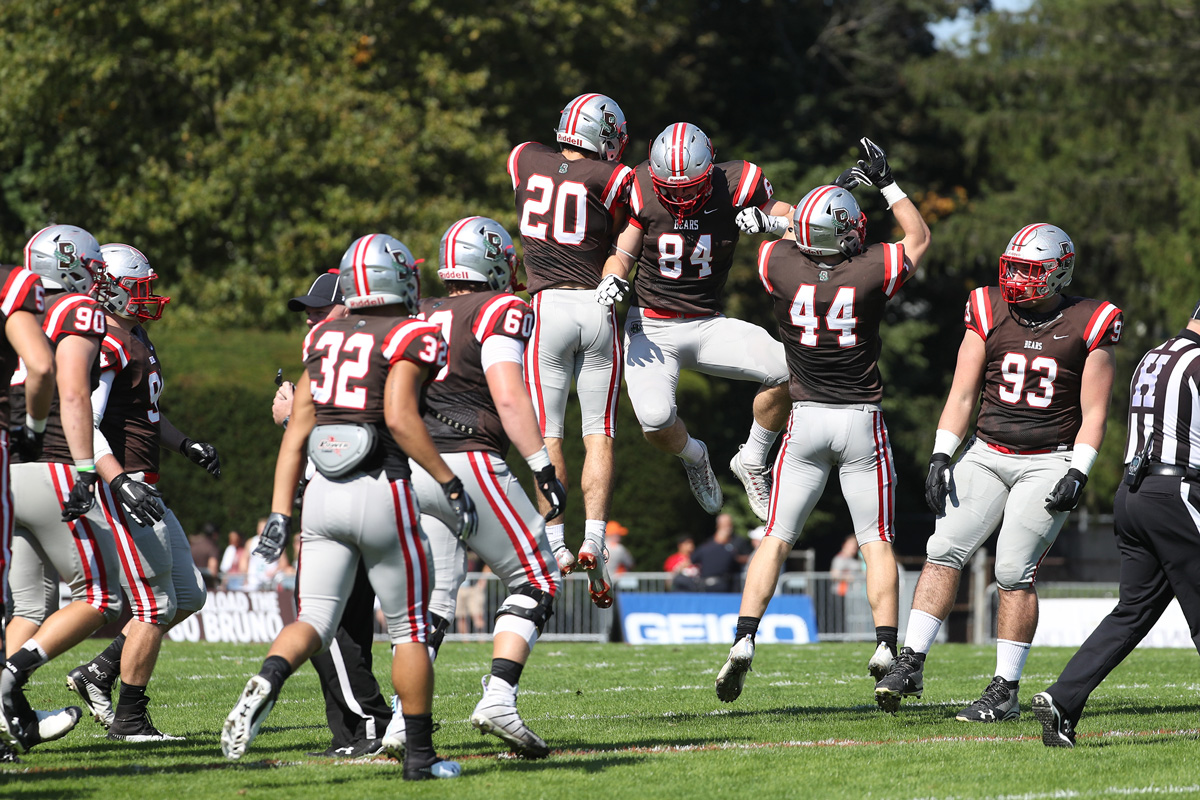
{"points": [[231, 562], [685, 576], [206, 554], [722, 557], [619, 559], [846, 566]]}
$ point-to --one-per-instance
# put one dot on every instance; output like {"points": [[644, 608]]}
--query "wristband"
{"points": [[628, 255], [85, 465], [538, 461], [35, 425], [1083, 457], [945, 442], [893, 194]]}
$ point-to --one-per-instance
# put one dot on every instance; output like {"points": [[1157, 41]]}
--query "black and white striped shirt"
{"points": [[1164, 403]]}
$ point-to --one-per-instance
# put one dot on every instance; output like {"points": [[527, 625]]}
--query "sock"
{"points": [[746, 626], [418, 735], [754, 451], [1010, 659], [885, 634], [26, 660], [110, 659], [593, 531], [692, 452], [276, 670], [922, 630], [506, 670], [556, 534], [131, 697]]}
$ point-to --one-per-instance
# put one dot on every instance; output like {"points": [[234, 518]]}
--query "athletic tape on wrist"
{"points": [[1083, 457], [945, 443], [893, 194], [538, 461]]}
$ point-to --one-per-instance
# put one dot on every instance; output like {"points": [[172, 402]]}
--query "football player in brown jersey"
{"points": [[571, 201], [158, 575], [357, 410], [1040, 364], [474, 408], [51, 493], [830, 292], [681, 236]]}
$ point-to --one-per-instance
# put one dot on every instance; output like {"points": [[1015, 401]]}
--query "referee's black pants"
{"points": [[1158, 534]]}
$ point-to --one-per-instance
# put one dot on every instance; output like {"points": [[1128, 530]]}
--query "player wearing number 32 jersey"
{"points": [[1040, 363]]}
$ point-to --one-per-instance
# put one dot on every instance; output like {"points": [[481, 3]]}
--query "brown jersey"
{"points": [[459, 410], [131, 419], [348, 361], [1034, 373], [566, 209], [20, 290], [66, 314], [684, 264], [829, 318]]}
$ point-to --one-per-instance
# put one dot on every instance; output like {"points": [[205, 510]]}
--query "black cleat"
{"points": [[905, 678], [1057, 730], [94, 686], [998, 703], [137, 727], [364, 748], [439, 768]]}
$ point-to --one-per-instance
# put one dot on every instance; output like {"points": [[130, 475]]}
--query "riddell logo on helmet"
{"points": [[454, 275], [365, 302], [567, 138]]}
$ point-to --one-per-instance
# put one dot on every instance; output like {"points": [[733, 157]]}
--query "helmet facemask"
{"points": [[1023, 278], [141, 302]]}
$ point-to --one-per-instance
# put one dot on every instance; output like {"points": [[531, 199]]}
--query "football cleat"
{"points": [[998, 703], [757, 481], [704, 483], [732, 676], [18, 725], [566, 559], [94, 687], [593, 559], [8, 755], [905, 678], [137, 726], [496, 713], [881, 661], [364, 748], [53, 725], [438, 769], [247, 716], [394, 738], [1057, 730]]}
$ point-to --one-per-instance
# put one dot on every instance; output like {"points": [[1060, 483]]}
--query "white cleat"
{"points": [[393, 738], [757, 481], [247, 716], [496, 713], [880, 662], [704, 483], [54, 725], [732, 676]]}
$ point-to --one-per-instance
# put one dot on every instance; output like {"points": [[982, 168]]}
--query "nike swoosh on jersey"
{"points": [[711, 210], [1064, 336]]}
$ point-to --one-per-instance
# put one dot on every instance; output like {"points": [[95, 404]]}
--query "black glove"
{"points": [[463, 507], [1068, 492], [274, 537], [204, 454], [851, 178], [141, 500], [81, 498], [26, 443], [875, 166], [552, 489], [937, 483]]}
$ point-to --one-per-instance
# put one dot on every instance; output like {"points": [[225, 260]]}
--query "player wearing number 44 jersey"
{"points": [[570, 201], [1041, 365], [830, 291], [681, 236]]}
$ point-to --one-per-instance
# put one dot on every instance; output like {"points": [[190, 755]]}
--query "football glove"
{"points": [[141, 500], [1068, 492], [852, 178], [875, 166], [26, 442], [81, 498], [202, 453], [552, 489], [755, 220], [937, 483], [611, 290], [463, 506], [274, 537]]}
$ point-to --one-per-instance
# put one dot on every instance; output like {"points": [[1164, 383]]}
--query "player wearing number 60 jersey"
{"points": [[1040, 363], [570, 201], [829, 291]]}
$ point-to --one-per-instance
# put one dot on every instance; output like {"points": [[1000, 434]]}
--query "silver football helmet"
{"points": [[66, 257], [379, 270], [130, 277], [594, 122], [478, 249], [1038, 262], [828, 222], [681, 165]]}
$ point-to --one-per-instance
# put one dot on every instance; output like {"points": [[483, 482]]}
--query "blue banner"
{"points": [[687, 618]]}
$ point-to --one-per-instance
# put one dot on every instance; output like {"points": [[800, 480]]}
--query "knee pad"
{"points": [[525, 603], [437, 632], [655, 414], [1013, 576], [940, 550]]}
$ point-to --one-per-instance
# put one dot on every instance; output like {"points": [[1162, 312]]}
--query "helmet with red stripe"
{"points": [[66, 257], [1038, 262], [594, 122], [130, 276], [828, 222], [379, 270], [479, 250], [681, 166]]}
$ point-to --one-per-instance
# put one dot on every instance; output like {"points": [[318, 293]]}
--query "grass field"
{"points": [[644, 722]]}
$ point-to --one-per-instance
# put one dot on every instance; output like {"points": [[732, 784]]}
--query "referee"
{"points": [[1157, 522]]}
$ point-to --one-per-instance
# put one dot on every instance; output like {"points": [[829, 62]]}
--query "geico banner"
{"points": [[686, 618], [238, 617], [1067, 622]]}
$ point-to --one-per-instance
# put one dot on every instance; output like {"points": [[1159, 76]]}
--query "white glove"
{"points": [[611, 290], [755, 220]]}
